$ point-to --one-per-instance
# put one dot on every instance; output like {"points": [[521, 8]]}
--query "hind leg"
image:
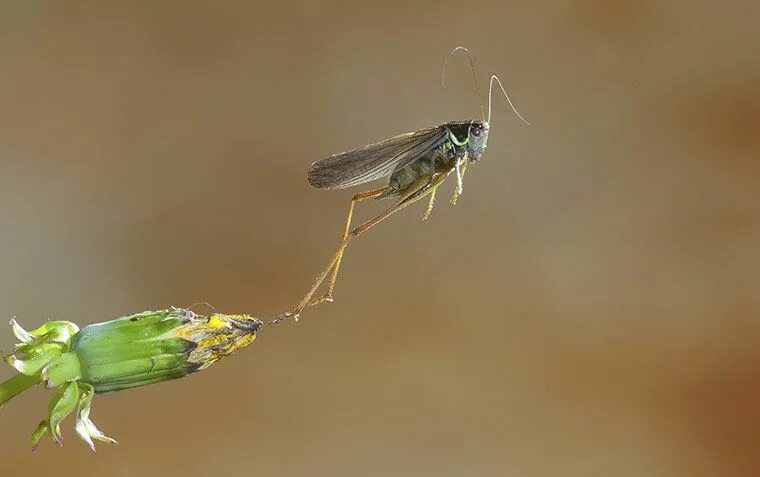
{"points": [[421, 190], [335, 263]]}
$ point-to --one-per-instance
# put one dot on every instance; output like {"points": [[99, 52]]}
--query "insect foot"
{"points": [[324, 298], [284, 316]]}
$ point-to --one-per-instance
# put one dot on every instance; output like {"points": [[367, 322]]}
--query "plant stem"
{"points": [[15, 385]]}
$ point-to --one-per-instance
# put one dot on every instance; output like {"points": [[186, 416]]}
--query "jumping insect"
{"points": [[417, 163]]}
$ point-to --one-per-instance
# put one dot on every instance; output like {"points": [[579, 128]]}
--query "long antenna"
{"points": [[490, 91], [474, 76]]}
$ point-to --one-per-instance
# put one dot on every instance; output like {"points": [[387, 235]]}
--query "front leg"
{"points": [[461, 168]]}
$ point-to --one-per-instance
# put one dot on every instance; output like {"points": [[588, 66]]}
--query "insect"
{"points": [[416, 163]]}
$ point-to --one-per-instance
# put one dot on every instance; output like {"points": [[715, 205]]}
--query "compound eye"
{"points": [[476, 131]]}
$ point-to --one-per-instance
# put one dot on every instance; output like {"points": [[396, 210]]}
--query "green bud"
{"points": [[128, 352]]}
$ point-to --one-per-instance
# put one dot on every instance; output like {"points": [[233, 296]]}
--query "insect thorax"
{"points": [[459, 132], [440, 159]]}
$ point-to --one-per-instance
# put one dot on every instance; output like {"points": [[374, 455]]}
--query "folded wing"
{"points": [[374, 161]]}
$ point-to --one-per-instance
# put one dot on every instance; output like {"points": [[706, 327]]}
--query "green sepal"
{"points": [[137, 372], [128, 329], [38, 434], [85, 428], [29, 359], [133, 350], [50, 332], [39, 346], [63, 404], [20, 333], [62, 369]]}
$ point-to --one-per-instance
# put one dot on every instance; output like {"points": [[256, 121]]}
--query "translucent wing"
{"points": [[374, 161]]}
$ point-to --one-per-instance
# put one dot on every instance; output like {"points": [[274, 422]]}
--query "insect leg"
{"points": [[431, 202], [420, 191], [430, 185], [461, 169], [332, 265], [357, 198]]}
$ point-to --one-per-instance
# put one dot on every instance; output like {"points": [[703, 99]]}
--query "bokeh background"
{"points": [[590, 307]]}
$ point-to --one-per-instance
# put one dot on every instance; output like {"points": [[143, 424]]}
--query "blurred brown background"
{"points": [[590, 307]]}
